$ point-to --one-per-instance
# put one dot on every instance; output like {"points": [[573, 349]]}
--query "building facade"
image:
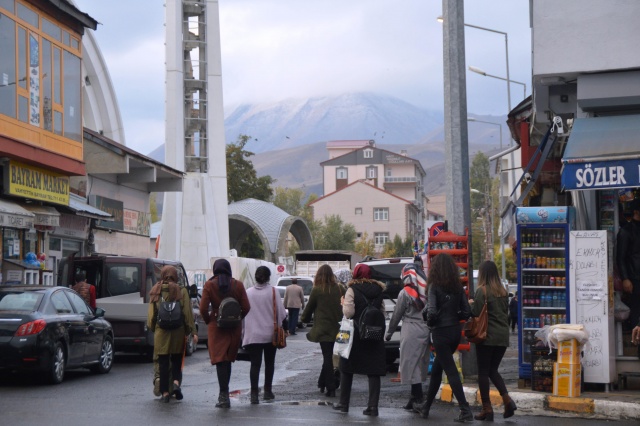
{"points": [[394, 204]]}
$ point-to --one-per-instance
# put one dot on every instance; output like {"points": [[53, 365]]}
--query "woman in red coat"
{"points": [[223, 342]]}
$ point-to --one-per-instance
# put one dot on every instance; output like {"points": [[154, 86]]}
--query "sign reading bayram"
{"points": [[36, 183]]}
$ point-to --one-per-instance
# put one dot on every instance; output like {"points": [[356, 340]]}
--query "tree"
{"points": [[334, 234], [291, 200], [153, 207], [365, 246], [388, 250], [510, 265], [242, 179], [479, 180]]}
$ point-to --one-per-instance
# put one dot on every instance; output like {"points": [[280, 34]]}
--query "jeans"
{"points": [[489, 358], [445, 343], [255, 354], [327, 379], [293, 319]]}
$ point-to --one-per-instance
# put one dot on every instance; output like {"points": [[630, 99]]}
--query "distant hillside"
{"points": [[292, 134]]}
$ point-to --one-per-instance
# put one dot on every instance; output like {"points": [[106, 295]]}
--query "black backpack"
{"points": [[229, 313], [372, 323], [169, 315]]}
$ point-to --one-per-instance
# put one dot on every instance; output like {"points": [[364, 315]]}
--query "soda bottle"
{"points": [[556, 301]]}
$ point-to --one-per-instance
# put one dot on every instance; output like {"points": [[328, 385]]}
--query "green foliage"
{"points": [[388, 250], [252, 247], [291, 200], [242, 180], [365, 246], [482, 206], [334, 234], [509, 262]]}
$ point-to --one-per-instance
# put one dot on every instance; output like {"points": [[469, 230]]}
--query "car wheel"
{"points": [[105, 361], [191, 347], [56, 369]]}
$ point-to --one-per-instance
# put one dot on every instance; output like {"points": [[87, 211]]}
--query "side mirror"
{"points": [[99, 313], [193, 291]]}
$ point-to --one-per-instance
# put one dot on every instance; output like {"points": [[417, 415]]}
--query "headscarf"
{"points": [[222, 270], [343, 276], [168, 275], [415, 284], [362, 271]]}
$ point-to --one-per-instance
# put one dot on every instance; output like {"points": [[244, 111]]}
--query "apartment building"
{"points": [[378, 191]]}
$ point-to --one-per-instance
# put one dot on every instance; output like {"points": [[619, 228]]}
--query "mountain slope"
{"points": [[296, 122]]}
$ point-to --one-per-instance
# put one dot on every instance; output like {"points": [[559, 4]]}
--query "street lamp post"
{"points": [[508, 80], [481, 72], [475, 120], [487, 221]]}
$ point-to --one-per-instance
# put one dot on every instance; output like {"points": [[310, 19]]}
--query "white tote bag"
{"points": [[344, 339]]}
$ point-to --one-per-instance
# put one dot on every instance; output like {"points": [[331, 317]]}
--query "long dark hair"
{"points": [[445, 274], [488, 276], [324, 278]]}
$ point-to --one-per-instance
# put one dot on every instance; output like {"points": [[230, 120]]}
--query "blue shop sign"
{"points": [[601, 174]]}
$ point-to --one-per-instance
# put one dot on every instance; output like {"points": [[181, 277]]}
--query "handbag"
{"points": [[344, 339], [279, 339], [475, 329]]}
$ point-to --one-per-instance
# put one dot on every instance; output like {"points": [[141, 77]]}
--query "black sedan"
{"points": [[52, 329]]}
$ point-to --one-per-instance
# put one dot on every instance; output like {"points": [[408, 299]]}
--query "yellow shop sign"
{"points": [[36, 183]]}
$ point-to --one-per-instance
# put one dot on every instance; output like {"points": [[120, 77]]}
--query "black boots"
{"points": [[223, 400], [509, 406], [374, 396], [465, 413], [268, 395], [486, 413], [345, 394], [422, 409], [255, 393]]}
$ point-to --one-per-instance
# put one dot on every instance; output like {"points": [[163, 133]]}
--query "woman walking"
{"points": [[414, 335], [223, 342], [324, 307], [366, 356], [447, 305], [490, 352], [169, 343], [258, 331]]}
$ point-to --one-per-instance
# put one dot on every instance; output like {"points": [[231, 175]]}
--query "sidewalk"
{"points": [[614, 405]]}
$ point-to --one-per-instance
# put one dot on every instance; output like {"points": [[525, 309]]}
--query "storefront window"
{"points": [[8, 5], [47, 111], [22, 58], [30, 243], [70, 247], [11, 244], [7, 66], [72, 97], [28, 15]]}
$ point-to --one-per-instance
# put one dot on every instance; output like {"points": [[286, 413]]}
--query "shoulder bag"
{"points": [[279, 336], [475, 330]]}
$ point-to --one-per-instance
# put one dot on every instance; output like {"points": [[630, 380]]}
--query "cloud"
{"points": [[278, 49]]}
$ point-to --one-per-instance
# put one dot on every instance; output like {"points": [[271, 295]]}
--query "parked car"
{"points": [[122, 286], [52, 329], [389, 271], [303, 281], [201, 327]]}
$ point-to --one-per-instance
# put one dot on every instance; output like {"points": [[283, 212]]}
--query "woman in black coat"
{"points": [[447, 306], [366, 356]]}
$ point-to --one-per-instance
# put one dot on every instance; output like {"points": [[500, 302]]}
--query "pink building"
{"points": [[378, 191]]}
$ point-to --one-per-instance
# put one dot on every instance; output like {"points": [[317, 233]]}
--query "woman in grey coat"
{"points": [[414, 335]]}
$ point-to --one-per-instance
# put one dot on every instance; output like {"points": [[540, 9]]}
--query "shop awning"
{"points": [[44, 215], [81, 208], [14, 216], [602, 152]]}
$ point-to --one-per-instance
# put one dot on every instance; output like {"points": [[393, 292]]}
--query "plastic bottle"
{"points": [[556, 301]]}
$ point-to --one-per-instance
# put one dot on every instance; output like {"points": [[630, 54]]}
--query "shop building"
{"points": [[41, 145], [578, 133]]}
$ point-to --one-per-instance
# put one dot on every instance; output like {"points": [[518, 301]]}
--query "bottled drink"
{"points": [[552, 281], [556, 301]]}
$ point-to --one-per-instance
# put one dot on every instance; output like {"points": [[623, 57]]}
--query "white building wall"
{"points": [[581, 36]]}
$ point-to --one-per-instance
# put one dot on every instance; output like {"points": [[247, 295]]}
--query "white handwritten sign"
{"points": [[589, 302]]}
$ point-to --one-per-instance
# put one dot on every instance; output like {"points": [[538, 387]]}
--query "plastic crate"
{"points": [[542, 360]]}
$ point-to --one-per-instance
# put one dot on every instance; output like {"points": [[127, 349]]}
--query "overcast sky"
{"points": [[278, 49]]}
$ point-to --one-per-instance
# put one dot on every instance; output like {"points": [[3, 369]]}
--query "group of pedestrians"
{"points": [[432, 310]]}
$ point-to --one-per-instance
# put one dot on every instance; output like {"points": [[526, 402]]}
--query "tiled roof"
{"points": [[268, 217]]}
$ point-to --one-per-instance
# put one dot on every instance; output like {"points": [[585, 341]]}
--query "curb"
{"points": [[551, 405]]}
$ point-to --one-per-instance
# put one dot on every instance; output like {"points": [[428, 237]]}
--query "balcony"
{"points": [[400, 179]]}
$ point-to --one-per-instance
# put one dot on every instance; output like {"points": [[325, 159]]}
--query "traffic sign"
{"points": [[280, 269]]}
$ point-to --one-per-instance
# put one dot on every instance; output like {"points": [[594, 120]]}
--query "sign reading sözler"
{"points": [[601, 174]]}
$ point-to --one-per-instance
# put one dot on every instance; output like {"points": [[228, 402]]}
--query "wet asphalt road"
{"points": [[124, 397]]}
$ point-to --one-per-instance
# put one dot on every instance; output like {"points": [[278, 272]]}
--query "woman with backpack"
{"points": [[170, 328], [267, 310], [367, 354], [414, 335], [447, 305], [490, 352], [324, 308], [224, 342]]}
